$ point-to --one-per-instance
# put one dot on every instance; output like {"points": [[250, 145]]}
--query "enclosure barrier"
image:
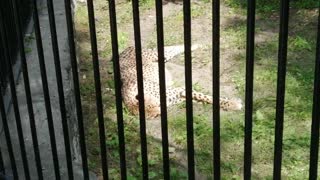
{"points": [[25, 13], [6, 63]]}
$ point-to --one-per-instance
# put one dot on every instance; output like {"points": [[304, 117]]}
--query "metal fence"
{"points": [[15, 28], [7, 9]]}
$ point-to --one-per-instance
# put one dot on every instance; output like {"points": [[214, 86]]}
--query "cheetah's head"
{"points": [[152, 107]]}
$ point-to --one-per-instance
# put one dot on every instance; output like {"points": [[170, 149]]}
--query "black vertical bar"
{"points": [[117, 83], [137, 40], [282, 63], [314, 145], [95, 60], [46, 90], [75, 77], [216, 87], [4, 117], [162, 80], [1, 162], [27, 90], [249, 88], [188, 80], [56, 56], [7, 135], [14, 100], [16, 8]]}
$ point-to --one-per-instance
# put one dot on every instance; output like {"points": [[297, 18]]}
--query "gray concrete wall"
{"points": [[38, 102]]}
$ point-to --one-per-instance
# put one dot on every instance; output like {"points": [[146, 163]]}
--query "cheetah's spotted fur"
{"points": [[129, 88]]}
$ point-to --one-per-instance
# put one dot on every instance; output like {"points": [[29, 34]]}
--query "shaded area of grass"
{"points": [[268, 6]]}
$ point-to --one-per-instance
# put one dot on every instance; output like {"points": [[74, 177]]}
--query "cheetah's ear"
{"points": [[137, 97]]}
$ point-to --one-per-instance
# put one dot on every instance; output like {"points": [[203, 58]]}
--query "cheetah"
{"points": [[127, 60]]}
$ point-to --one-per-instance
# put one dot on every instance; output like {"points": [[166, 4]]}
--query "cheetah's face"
{"points": [[152, 107]]}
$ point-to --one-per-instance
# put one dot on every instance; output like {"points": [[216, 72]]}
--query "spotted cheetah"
{"points": [[127, 60]]}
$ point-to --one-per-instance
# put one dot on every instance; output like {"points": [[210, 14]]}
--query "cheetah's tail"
{"points": [[172, 51], [225, 103], [177, 95]]}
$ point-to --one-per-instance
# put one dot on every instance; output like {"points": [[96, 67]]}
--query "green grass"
{"points": [[299, 43], [268, 6], [298, 104], [298, 99], [173, 25]]}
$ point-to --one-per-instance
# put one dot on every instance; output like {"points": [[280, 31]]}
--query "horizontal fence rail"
{"points": [[13, 21]]}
